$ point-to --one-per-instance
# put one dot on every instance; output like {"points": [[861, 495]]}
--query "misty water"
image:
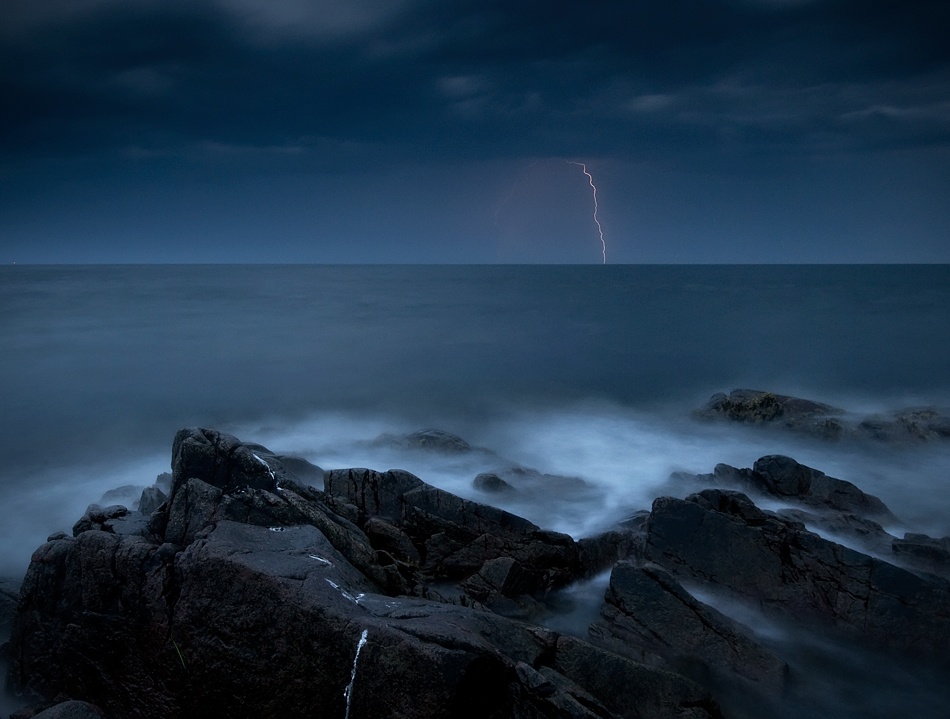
{"points": [[582, 372]]}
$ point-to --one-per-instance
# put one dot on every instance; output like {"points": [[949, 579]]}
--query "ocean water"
{"points": [[582, 371]]}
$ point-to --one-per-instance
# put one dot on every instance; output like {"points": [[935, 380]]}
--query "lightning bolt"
{"points": [[600, 230]]}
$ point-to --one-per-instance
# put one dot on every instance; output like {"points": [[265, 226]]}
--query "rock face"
{"points": [[749, 406], [249, 593], [648, 613], [721, 538], [781, 477]]}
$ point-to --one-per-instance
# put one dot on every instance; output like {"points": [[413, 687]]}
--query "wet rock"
{"points": [[220, 460], [845, 528], [263, 600], [435, 440], [782, 477], [648, 613], [926, 553], [491, 482], [151, 499], [757, 407], [914, 424], [721, 538]]}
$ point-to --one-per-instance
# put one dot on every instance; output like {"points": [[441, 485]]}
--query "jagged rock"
{"points": [[152, 498], [244, 596], [454, 537], [722, 538], [647, 612], [109, 519], [926, 553], [220, 460], [846, 528], [782, 477]]}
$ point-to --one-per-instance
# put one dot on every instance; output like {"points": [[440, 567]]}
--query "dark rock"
{"points": [[722, 538], [125, 494], [9, 595], [257, 601], [491, 482], [923, 552], [164, 481], [525, 479], [435, 440], [97, 516], [914, 424], [303, 470], [783, 478], [757, 407], [220, 460], [747, 406], [846, 528], [454, 537], [70, 709], [151, 499], [647, 612]]}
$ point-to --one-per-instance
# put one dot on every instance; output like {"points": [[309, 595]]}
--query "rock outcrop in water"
{"points": [[757, 407], [249, 592]]}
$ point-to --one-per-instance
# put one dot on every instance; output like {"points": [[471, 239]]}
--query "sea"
{"points": [[589, 372]]}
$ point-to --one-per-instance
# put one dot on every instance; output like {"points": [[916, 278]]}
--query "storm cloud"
{"points": [[236, 86]]}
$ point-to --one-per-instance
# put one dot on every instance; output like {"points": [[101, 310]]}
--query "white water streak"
{"points": [[348, 692]]}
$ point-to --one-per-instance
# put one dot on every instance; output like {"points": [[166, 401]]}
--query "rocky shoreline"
{"points": [[249, 583]]}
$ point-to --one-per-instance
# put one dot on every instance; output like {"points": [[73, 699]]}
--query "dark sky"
{"points": [[439, 131]]}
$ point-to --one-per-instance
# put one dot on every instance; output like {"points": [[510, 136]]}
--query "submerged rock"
{"points": [[435, 440]]}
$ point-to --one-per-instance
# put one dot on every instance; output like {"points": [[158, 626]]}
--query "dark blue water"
{"points": [[585, 371]]}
